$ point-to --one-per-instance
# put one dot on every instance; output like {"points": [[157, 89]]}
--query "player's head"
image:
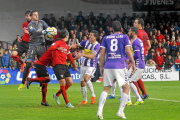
{"points": [[139, 23], [116, 25], [64, 34], [133, 32], [34, 16], [27, 15], [93, 36]]}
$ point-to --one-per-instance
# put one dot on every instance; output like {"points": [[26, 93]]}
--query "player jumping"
{"points": [[23, 42], [36, 47]]}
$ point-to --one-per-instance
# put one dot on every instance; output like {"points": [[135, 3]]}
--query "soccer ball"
{"points": [[51, 30]]}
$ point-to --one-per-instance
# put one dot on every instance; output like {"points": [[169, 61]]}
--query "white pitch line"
{"points": [[158, 99]]}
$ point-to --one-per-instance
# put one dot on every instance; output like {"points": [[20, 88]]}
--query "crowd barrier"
{"points": [[153, 74], [8, 76]]}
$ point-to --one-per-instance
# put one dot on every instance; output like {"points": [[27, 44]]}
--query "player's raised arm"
{"points": [[74, 46]]}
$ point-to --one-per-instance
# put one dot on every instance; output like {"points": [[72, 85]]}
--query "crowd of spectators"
{"points": [[162, 29]]}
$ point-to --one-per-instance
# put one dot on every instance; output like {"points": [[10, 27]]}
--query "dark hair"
{"points": [[140, 21], [116, 26], [33, 11], [28, 11], [134, 29], [96, 33], [63, 33]]}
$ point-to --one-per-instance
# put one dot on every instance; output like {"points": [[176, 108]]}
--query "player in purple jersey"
{"points": [[115, 46], [138, 50], [89, 64]]}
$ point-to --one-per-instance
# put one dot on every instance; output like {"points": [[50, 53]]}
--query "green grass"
{"points": [[25, 105]]}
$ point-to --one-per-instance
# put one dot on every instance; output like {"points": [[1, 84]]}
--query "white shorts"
{"points": [[87, 70], [134, 76], [110, 74]]}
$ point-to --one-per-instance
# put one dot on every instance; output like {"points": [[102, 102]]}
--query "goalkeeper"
{"points": [[37, 30]]}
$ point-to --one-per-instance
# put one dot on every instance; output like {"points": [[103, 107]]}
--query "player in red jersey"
{"points": [[59, 63], [23, 42], [43, 76], [139, 22]]}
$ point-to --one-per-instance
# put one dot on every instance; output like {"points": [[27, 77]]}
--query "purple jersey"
{"points": [[115, 50], [90, 49], [138, 49]]}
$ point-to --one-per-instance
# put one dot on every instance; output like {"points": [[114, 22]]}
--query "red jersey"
{"points": [[59, 57], [45, 59], [144, 37], [159, 38], [161, 50], [26, 37], [177, 60], [178, 43]]}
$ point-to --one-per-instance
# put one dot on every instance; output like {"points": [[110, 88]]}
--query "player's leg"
{"points": [[40, 50], [25, 75], [129, 102], [134, 77], [69, 82], [30, 57], [124, 97], [60, 71], [137, 86], [108, 79], [113, 88], [44, 93], [122, 82], [142, 87], [83, 86], [87, 78], [102, 101], [42, 75]]}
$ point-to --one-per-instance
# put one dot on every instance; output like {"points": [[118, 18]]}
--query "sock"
{"points": [[129, 97], [135, 92], [44, 92], [141, 85], [26, 72], [123, 102], [137, 86], [17, 59], [121, 90], [102, 101], [40, 80], [59, 92], [90, 87], [63, 91], [113, 88], [84, 93]]}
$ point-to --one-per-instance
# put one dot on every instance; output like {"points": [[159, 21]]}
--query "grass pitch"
{"points": [[163, 103]]}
